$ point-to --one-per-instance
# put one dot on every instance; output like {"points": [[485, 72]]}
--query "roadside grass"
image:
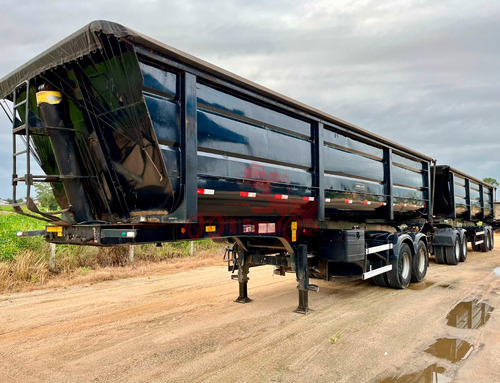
{"points": [[24, 262], [10, 224]]}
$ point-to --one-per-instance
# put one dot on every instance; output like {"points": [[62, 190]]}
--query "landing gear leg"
{"points": [[243, 270], [301, 269]]}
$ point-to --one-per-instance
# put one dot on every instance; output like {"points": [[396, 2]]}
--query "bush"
{"points": [[26, 260], [10, 244], [28, 266]]}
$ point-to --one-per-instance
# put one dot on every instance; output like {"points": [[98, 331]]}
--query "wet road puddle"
{"points": [[420, 286], [469, 315], [431, 374], [453, 350]]}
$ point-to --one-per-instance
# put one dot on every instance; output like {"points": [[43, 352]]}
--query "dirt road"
{"points": [[185, 328]]}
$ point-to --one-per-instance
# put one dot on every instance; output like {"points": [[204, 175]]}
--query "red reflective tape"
{"points": [[367, 202], [281, 196], [248, 194], [206, 191], [348, 201], [308, 198]]}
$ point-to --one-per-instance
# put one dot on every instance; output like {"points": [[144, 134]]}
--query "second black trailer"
{"points": [[464, 212]]}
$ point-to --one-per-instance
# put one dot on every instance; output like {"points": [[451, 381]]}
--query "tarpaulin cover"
{"points": [[78, 44]]}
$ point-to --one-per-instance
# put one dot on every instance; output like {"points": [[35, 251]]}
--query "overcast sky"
{"points": [[425, 74]]}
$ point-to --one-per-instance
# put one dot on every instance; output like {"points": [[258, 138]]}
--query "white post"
{"points": [[191, 249], [52, 258], [131, 253]]}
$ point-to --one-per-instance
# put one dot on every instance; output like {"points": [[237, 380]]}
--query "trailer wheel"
{"points": [[439, 254], [463, 252], [453, 253], [490, 240], [400, 275], [381, 279], [485, 245], [473, 243], [420, 263]]}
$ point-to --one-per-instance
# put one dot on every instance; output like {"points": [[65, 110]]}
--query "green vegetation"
{"points": [[335, 338], [491, 181], [46, 197], [10, 224], [26, 260]]}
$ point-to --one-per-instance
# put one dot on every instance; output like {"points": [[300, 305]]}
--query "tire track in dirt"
{"points": [[185, 328]]}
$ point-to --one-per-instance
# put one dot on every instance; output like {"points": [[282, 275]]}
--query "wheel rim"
{"points": [[421, 260], [457, 249], [405, 270]]}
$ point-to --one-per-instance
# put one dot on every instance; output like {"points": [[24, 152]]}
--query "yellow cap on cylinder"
{"points": [[49, 96]]}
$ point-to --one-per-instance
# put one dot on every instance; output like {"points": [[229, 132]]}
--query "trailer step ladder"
{"points": [[25, 131], [17, 128]]}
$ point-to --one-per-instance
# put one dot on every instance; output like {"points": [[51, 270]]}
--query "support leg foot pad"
{"points": [[243, 300], [303, 310]]}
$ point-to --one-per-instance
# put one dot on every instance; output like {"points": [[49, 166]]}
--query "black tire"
{"points": [[490, 240], [420, 263], [400, 275], [473, 243], [484, 245], [381, 279], [439, 254], [453, 253], [463, 252]]}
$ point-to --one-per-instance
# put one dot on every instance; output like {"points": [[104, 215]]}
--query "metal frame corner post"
{"points": [[188, 209], [319, 167], [432, 188], [388, 183], [452, 195], [190, 133], [468, 199], [481, 201]]}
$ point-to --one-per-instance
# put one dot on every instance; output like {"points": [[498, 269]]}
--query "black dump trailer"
{"points": [[464, 212], [142, 143]]}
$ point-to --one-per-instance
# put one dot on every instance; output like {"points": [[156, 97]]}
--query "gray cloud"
{"points": [[422, 73]]}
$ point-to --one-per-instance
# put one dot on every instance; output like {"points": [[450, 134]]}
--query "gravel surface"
{"points": [[185, 327]]}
